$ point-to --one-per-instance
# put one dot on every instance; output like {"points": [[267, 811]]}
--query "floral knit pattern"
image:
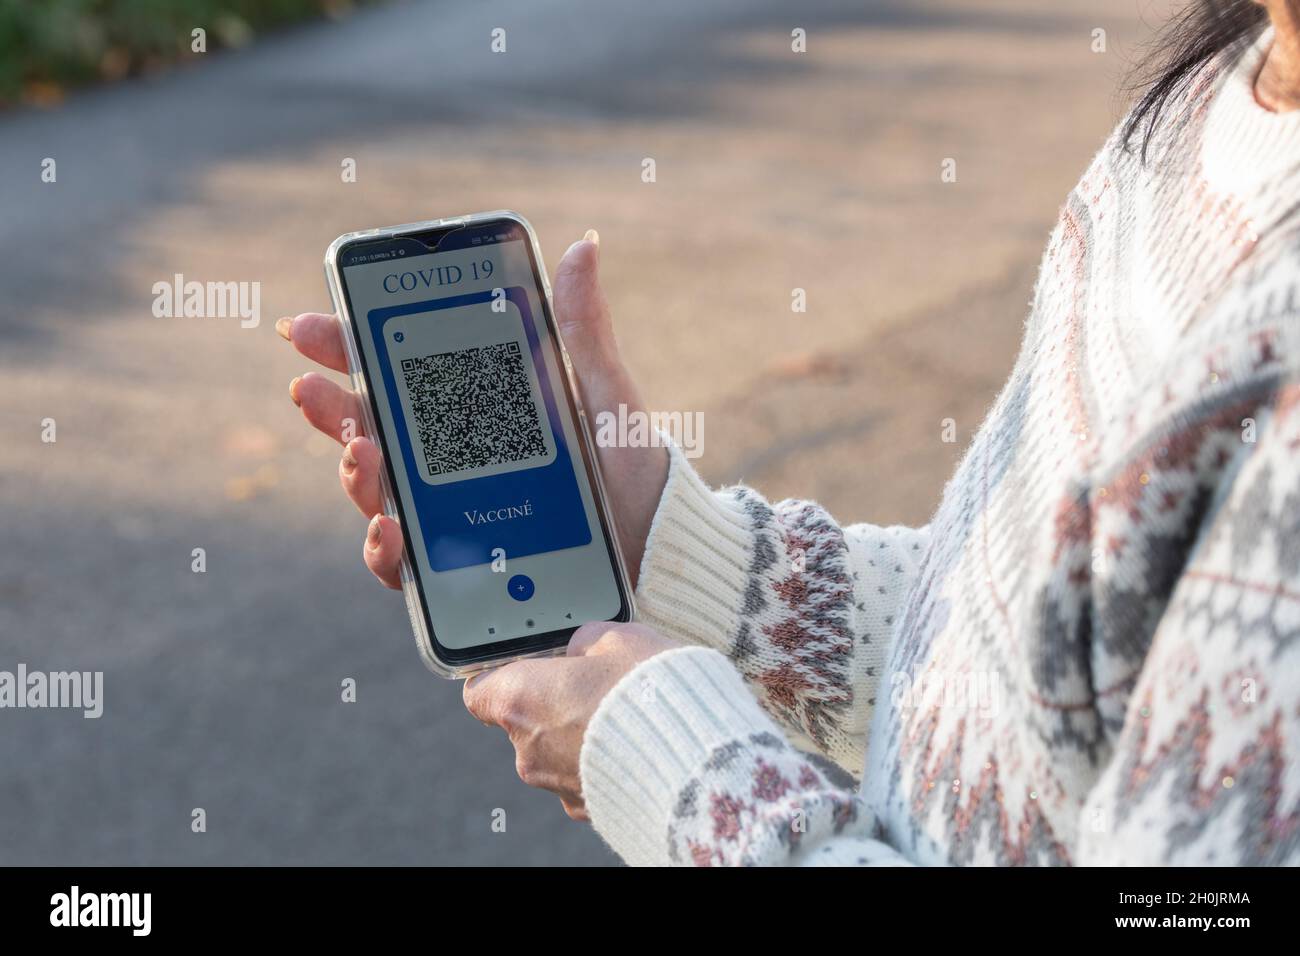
{"points": [[1091, 654]]}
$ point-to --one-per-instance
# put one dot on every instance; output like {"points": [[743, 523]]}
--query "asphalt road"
{"points": [[775, 170]]}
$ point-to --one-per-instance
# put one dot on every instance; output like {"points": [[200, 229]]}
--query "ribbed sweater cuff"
{"points": [[696, 563], [651, 736]]}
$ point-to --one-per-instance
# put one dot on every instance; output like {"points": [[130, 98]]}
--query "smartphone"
{"points": [[489, 465]]}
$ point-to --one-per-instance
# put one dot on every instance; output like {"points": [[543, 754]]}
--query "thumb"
{"points": [[580, 307], [584, 640]]}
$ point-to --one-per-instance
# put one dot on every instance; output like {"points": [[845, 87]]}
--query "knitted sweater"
{"points": [[1091, 654]]}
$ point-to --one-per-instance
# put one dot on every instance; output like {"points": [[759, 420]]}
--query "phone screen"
{"points": [[496, 495]]}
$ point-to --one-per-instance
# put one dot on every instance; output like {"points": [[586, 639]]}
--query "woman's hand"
{"points": [[634, 477], [544, 705]]}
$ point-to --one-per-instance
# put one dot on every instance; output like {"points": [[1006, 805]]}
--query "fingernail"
{"points": [[374, 533], [284, 327], [349, 460], [593, 236], [293, 390]]}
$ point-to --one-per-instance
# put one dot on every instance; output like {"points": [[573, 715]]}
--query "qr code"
{"points": [[473, 408]]}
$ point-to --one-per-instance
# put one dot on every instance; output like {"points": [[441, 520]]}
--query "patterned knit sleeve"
{"points": [[1202, 760], [803, 608], [680, 766], [1206, 764]]}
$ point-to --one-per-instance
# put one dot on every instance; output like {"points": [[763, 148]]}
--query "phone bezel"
{"points": [[444, 660]]}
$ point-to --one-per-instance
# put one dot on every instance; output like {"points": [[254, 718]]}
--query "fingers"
{"points": [[383, 551], [520, 699], [326, 405], [490, 695], [359, 475], [576, 809], [580, 306], [316, 336], [585, 637], [582, 314], [336, 411]]}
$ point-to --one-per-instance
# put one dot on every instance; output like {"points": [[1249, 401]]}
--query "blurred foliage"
{"points": [[48, 45]]}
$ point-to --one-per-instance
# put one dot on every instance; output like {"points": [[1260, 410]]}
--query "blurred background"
{"points": [[775, 170]]}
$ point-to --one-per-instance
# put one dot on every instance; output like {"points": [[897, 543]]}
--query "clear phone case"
{"points": [[423, 638]]}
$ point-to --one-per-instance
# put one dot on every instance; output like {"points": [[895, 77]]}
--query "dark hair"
{"points": [[1192, 39]]}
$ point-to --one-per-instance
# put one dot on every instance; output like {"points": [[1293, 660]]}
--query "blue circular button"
{"points": [[520, 587]]}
